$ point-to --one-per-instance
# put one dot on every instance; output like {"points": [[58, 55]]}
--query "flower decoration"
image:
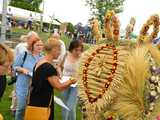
{"points": [[112, 26], [144, 37], [98, 77], [110, 115], [96, 29], [154, 86], [109, 14], [99, 64], [104, 75]]}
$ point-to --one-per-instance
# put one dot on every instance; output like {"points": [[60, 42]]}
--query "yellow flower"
{"points": [[109, 14], [109, 114], [143, 38]]}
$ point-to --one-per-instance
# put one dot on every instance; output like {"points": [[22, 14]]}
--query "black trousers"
{"points": [[52, 111], [2, 85]]}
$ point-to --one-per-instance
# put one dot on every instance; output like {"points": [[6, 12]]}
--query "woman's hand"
{"points": [[23, 70], [54, 81], [72, 81]]}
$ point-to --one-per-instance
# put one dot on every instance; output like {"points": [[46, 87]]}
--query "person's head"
{"points": [[9, 9], [5, 59], [53, 47], [81, 38], [55, 36], [76, 48], [37, 46], [23, 38], [31, 37]]}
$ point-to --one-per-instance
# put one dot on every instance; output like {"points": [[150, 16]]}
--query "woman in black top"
{"points": [[45, 78], [6, 58]]}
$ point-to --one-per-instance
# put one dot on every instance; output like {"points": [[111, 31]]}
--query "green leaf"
{"points": [[32, 5], [101, 6]]}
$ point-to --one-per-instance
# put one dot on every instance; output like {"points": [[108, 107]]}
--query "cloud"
{"points": [[141, 10], [68, 10]]}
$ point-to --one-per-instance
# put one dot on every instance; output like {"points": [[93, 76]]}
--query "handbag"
{"points": [[37, 113]]}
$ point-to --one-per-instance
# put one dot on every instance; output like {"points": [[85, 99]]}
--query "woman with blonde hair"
{"points": [[46, 78], [5, 64], [59, 60]]}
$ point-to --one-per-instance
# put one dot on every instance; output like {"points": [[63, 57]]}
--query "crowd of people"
{"points": [[38, 68]]}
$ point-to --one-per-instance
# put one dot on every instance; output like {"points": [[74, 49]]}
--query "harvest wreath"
{"points": [[113, 79], [144, 35]]}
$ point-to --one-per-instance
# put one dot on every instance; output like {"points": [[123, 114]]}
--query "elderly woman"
{"points": [[5, 64], [45, 78]]}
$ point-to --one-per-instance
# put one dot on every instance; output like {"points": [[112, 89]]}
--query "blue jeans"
{"points": [[70, 99], [21, 104]]}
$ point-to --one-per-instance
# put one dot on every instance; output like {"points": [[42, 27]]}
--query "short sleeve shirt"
{"points": [[41, 90]]}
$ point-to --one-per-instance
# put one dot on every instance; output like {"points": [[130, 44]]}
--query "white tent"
{"points": [[24, 15]]}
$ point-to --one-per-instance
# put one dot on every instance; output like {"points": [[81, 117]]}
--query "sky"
{"points": [[68, 10], [76, 11], [141, 10]]}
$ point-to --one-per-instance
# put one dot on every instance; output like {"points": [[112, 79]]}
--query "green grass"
{"points": [[16, 32], [5, 105]]}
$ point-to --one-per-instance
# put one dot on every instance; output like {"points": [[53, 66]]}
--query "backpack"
{"points": [[14, 77]]}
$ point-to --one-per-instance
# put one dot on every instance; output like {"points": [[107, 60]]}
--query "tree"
{"points": [[32, 5], [70, 27], [99, 7]]}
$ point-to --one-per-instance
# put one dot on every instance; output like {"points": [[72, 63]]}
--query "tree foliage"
{"points": [[99, 7], [32, 5], [70, 27]]}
